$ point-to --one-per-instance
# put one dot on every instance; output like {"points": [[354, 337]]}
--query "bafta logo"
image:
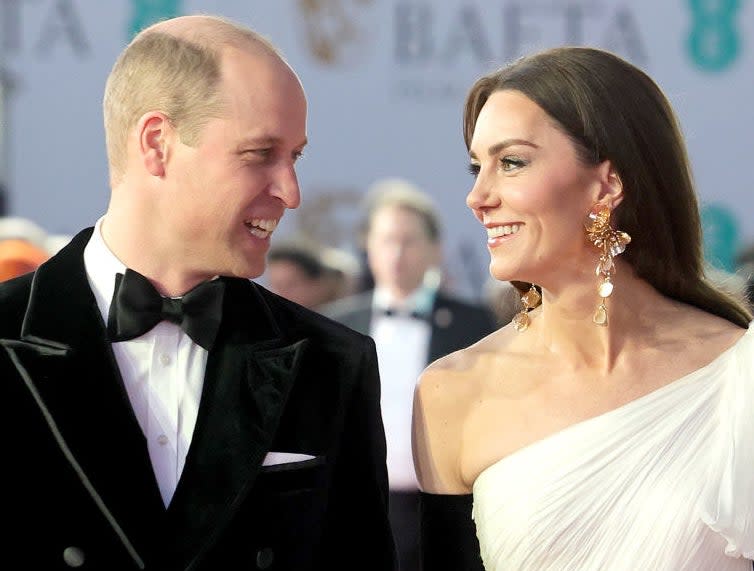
{"points": [[336, 31]]}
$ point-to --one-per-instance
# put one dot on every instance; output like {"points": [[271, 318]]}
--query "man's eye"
{"points": [[297, 155], [255, 154]]}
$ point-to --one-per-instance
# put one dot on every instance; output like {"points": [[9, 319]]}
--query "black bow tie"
{"points": [[137, 307], [390, 312]]}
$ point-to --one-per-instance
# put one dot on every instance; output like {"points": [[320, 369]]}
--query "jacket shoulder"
{"points": [[299, 320], [444, 298], [348, 306], [469, 309], [14, 298]]}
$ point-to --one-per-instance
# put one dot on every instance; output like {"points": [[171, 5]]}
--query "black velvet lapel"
{"points": [[68, 362], [249, 375]]}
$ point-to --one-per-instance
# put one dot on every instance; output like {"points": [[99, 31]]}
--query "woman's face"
{"points": [[531, 191]]}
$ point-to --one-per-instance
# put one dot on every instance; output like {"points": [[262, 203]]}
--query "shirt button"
{"points": [[265, 557], [165, 359], [162, 439], [73, 556]]}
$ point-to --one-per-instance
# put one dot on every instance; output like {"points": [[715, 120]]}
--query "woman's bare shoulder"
{"points": [[454, 379], [446, 392]]}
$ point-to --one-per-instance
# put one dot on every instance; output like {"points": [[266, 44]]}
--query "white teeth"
{"points": [[505, 230], [259, 233], [261, 227], [268, 224]]}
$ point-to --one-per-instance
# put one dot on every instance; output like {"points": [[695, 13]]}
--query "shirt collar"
{"points": [[101, 266], [420, 301]]}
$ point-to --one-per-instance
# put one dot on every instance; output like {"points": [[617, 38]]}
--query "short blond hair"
{"points": [[177, 74]]}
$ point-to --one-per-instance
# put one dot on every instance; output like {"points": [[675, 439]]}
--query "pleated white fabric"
{"points": [[663, 483]]}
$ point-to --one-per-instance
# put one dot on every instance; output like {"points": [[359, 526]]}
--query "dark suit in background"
{"points": [[455, 323]]}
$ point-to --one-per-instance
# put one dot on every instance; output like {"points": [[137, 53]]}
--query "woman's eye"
{"points": [[512, 163], [473, 170]]}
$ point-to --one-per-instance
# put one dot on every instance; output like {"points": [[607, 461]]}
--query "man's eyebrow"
{"points": [[258, 141], [266, 141]]}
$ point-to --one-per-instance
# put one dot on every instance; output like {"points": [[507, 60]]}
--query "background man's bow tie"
{"points": [[137, 307], [392, 312]]}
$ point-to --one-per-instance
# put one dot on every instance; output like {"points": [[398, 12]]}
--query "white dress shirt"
{"points": [[402, 346], [163, 373]]}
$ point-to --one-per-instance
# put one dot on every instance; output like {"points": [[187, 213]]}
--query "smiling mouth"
{"points": [[500, 231], [261, 227]]}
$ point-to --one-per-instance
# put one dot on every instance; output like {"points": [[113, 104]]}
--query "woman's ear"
{"points": [[611, 185]]}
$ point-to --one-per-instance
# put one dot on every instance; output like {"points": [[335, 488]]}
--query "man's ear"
{"points": [[154, 130], [611, 185]]}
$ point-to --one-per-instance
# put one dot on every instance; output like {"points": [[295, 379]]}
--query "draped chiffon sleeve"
{"points": [[728, 499]]}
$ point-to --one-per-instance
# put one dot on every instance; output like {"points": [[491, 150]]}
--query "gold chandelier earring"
{"points": [[610, 243], [529, 301]]}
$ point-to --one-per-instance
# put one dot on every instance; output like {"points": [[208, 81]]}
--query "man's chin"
{"points": [[248, 271]]}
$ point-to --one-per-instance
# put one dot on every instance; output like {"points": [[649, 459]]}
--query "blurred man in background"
{"points": [[412, 321], [309, 275]]}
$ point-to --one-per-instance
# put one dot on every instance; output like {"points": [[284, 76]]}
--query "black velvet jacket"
{"points": [[78, 483]]}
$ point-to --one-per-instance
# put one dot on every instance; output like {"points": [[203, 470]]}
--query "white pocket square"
{"points": [[274, 458]]}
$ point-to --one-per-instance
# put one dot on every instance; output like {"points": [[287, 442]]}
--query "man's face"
{"points": [[399, 250], [232, 188]]}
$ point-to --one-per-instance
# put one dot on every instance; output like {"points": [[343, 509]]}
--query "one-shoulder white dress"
{"points": [[662, 483]]}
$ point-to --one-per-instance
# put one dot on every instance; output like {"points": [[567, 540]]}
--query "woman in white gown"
{"points": [[610, 426]]}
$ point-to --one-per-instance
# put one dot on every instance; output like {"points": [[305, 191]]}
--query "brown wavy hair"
{"points": [[610, 109]]}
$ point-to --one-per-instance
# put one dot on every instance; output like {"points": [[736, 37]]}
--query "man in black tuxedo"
{"points": [[413, 322], [162, 411]]}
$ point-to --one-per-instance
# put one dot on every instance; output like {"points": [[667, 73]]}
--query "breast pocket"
{"points": [[291, 504], [293, 476]]}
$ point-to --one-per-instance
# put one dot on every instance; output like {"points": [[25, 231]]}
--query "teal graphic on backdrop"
{"points": [[720, 229], [146, 12], [713, 42]]}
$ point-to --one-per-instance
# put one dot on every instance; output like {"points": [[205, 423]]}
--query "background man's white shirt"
{"points": [[402, 348]]}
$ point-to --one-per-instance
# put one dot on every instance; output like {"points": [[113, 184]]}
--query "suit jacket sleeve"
{"points": [[359, 528]]}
